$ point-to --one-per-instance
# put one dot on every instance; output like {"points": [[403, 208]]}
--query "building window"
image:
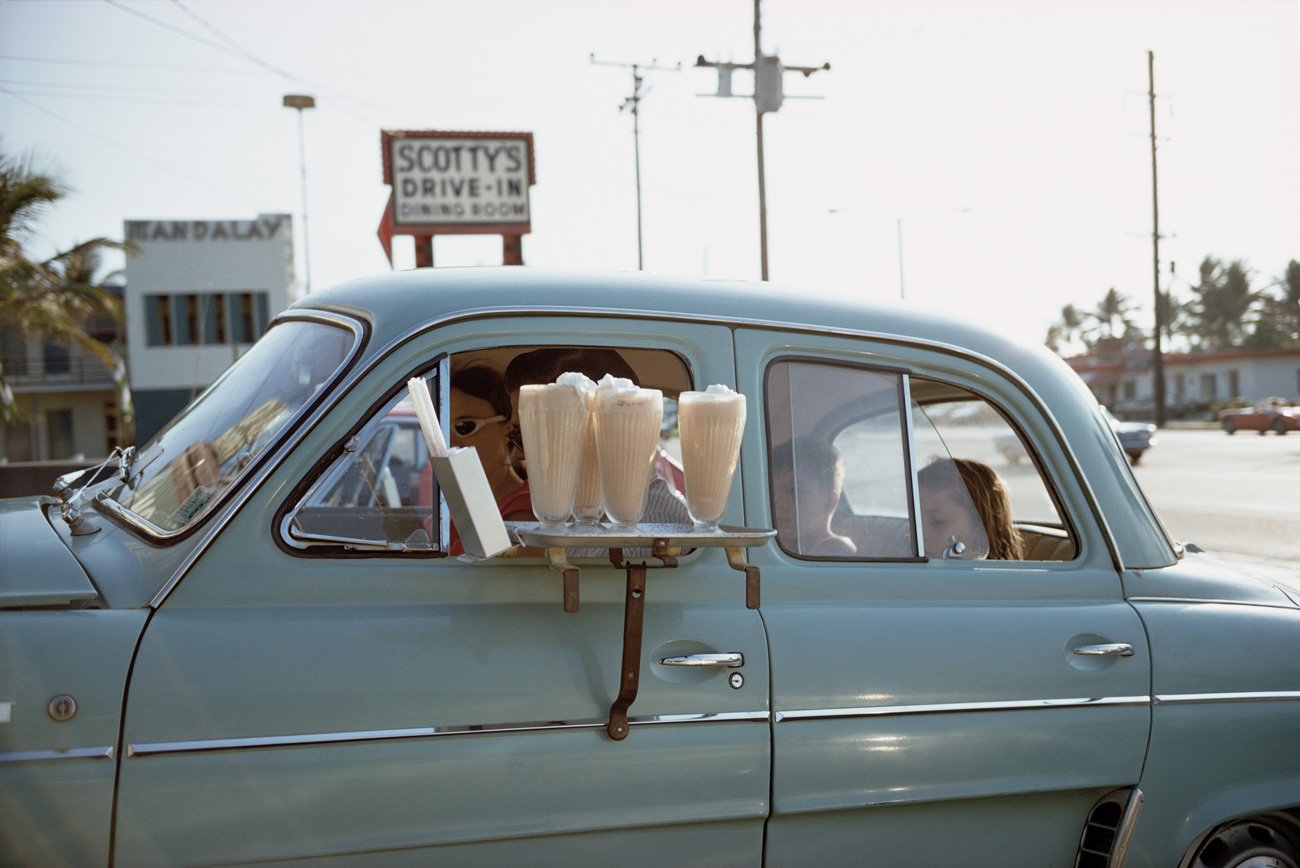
{"points": [[57, 358], [216, 331], [1234, 384], [1209, 386], [112, 437], [1130, 390], [58, 434], [187, 320], [158, 320], [248, 316]]}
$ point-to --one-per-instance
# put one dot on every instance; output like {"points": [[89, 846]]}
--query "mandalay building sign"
{"points": [[264, 228]]}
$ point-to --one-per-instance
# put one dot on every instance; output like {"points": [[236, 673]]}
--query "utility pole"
{"points": [[635, 101], [1158, 367], [302, 101], [769, 93]]}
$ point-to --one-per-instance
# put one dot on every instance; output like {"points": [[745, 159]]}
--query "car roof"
{"points": [[388, 300]]}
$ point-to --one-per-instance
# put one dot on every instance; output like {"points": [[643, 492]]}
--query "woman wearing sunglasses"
{"points": [[480, 417]]}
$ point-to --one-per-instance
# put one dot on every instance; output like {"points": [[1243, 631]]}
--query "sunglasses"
{"points": [[466, 427]]}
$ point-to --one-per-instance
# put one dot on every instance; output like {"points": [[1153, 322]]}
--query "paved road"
{"points": [[1238, 495]]}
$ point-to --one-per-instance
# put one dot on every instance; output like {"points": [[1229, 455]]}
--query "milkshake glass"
{"points": [[588, 501], [627, 435], [711, 424], [553, 422]]}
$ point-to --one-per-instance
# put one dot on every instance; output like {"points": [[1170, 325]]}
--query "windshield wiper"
{"points": [[70, 497], [130, 464]]}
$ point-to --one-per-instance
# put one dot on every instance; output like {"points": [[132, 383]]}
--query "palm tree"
{"points": [[1064, 331], [52, 298], [1114, 306]]}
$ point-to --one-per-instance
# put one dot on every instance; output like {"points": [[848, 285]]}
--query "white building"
{"points": [[1123, 378], [199, 293]]}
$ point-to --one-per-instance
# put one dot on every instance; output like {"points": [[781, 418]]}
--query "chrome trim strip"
{"points": [[1206, 698], [958, 708], [1127, 826], [909, 431], [319, 738], [1280, 604], [32, 756]]}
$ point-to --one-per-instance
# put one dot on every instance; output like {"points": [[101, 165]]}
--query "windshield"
{"points": [[192, 461]]}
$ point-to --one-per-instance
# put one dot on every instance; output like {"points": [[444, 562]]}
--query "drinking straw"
{"points": [[428, 417]]}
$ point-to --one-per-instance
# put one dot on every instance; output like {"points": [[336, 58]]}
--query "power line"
{"points": [[120, 64], [244, 54], [101, 136]]}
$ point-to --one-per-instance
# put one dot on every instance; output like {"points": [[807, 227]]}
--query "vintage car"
{"points": [[246, 642], [1135, 438], [1272, 415]]}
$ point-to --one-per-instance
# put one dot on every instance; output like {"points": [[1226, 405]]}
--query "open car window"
{"points": [[380, 495]]}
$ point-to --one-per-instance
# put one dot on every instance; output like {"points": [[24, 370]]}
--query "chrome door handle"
{"points": [[730, 659], [1118, 649]]}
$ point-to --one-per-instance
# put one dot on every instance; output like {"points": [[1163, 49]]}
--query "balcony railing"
{"points": [[28, 373]]}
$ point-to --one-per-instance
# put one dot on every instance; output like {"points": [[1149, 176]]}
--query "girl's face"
{"points": [[945, 516]]}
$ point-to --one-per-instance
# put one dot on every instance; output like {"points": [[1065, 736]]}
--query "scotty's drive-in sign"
{"points": [[459, 182]]}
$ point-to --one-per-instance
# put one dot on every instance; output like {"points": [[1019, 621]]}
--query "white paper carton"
{"points": [[473, 508]]}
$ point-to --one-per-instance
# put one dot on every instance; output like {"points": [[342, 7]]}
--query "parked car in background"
{"points": [[246, 641], [1135, 438], [1271, 415]]}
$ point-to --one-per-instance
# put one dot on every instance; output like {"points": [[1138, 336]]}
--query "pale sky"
{"points": [[1009, 138]]}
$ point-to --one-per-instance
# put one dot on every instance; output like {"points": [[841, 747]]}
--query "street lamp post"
{"points": [[301, 101]]}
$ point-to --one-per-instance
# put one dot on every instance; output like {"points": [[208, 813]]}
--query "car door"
{"points": [[928, 710], [297, 698]]}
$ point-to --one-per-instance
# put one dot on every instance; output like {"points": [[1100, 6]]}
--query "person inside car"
{"points": [[480, 417], [965, 502], [807, 481]]}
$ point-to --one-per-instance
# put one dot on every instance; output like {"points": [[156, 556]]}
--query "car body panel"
{"points": [[57, 776], [436, 704], [361, 707], [38, 568], [882, 714], [1230, 689]]}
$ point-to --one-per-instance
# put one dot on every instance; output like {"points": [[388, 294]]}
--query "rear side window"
{"points": [[873, 464]]}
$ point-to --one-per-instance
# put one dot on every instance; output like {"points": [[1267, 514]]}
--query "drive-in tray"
{"points": [[664, 543]]}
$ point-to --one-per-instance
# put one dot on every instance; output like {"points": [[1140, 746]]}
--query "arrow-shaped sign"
{"points": [[386, 225]]}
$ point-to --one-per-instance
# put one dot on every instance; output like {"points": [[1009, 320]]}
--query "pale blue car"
{"points": [[246, 642]]}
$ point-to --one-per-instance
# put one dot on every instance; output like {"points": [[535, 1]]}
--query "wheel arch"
{"points": [[1223, 812], [1286, 820]]}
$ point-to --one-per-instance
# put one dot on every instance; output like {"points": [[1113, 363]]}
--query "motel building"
{"points": [[1122, 378], [197, 296]]}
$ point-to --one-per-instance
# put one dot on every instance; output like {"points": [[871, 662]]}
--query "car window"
{"points": [[369, 498], [380, 493], [204, 450], [870, 464]]}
